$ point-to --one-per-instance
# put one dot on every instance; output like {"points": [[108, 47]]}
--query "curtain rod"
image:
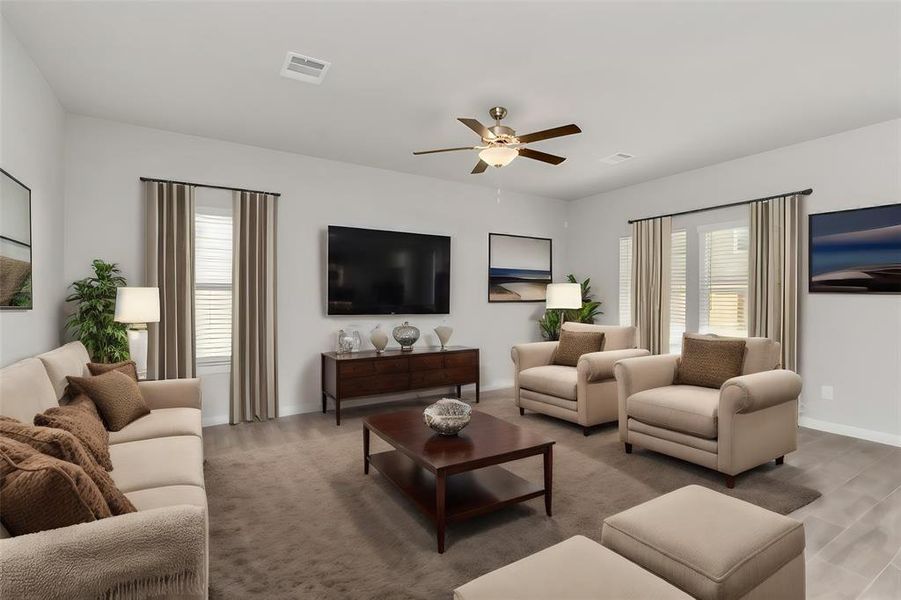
{"points": [[204, 185], [806, 192]]}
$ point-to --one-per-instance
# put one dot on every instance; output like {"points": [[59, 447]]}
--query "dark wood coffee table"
{"points": [[456, 478]]}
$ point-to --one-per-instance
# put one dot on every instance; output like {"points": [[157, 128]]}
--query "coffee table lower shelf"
{"points": [[467, 494]]}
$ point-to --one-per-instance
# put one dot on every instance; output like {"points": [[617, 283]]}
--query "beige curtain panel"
{"points": [[169, 265], [651, 244], [773, 273], [254, 389]]}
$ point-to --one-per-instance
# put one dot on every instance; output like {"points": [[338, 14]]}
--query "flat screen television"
{"points": [[373, 272], [856, 251]]}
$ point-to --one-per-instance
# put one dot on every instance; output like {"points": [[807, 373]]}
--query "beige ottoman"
{"points": [[712, 546], [574, 569]]}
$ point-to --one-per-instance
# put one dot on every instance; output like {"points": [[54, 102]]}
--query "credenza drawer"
{"points": [[429, 361], [374, 384], [419, 379], [461, 359], [392, 365], [356, 368]]}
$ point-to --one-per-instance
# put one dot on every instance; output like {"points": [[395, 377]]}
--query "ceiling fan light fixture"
{"points": [[498, 156]]}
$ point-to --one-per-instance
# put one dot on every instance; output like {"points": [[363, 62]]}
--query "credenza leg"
{"points": [[365, 450], [459, 391], [337, 412], [324, 401], [477, 391]]}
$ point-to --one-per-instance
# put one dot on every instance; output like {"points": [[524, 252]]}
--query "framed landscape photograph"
{"points": [[15, 243], [519, 268], [856, 251]]}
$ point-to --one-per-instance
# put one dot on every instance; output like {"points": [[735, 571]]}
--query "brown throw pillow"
{"points": [[61, 444], [574, 344], [126, 366], [80, 418], [117, 396], [709, 362], [41, 492]]}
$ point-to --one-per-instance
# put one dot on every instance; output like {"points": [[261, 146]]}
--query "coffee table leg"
{"points": [[365, 450], [440, 494], [548, 478]]}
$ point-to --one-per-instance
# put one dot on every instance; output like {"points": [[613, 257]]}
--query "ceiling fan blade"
{"points": [[549, 133], [479, 168], [443, 150], [542, 156], [473, 124]]}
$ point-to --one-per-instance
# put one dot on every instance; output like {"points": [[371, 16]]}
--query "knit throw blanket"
{"points": [[147, 554]]}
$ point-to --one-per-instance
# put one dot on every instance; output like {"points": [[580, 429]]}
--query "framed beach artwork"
{"points": [[856, 251], [519, 268]]}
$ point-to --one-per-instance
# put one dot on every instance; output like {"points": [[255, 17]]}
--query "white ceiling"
{"points": [[680, 85]]}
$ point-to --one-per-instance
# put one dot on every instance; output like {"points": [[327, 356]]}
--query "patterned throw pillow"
{"points": [[61, 444], [80, 418], [709, 362], [40, 492], [116, 395], [126, 366], [574, 344]]}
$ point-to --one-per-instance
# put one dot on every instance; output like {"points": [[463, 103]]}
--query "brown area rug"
{"points": [[298, 519]]}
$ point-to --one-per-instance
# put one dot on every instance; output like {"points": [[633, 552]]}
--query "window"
{"points": [[677, 291], [625, 280], [213, 284], [724, 280]]}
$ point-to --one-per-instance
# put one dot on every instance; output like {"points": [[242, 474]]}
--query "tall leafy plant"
{"points": [[92, 322], [552, 320]]}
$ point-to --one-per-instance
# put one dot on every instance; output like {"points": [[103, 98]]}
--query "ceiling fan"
{"points": [[500, 144]]}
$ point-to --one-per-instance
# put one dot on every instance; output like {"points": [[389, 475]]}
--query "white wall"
{"points": [[32, 123], [104, 160], [850, 342]]}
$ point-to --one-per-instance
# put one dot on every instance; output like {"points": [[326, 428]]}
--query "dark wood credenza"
{"points": [[359, 374]]}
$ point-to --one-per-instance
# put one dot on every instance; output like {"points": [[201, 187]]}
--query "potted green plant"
{"points": [[550, 322], [92, 322]]}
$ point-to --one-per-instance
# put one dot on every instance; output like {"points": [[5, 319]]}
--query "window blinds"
{"points": [[212, 285], [677, 290], [724, 281], [625, 280]]}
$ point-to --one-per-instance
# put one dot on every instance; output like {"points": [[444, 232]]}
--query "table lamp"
{"points": [[563, 297], [137, 306]]}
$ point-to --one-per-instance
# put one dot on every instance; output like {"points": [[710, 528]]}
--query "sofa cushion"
{"points": [[25, 390], [80, 418], [741, 545], [117, 396], [42, 492], [709, 361], [61, 444], [169, 495], [573, 344], [176, 460], [554, 380], [687, 408], [574, 569], [66, 361], [162, 422]]}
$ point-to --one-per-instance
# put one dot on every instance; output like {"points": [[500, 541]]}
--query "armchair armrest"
{"points": [[535, 354], [158, 552], [750, 393], [596, 366], [171, 393], [635, 375]]}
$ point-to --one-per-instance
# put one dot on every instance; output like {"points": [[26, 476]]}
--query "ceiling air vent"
{"points": [[615, 159], [305, 68]]}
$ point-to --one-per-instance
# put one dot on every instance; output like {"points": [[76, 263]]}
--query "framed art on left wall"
{"points": [[15, 243], [519, 267]]}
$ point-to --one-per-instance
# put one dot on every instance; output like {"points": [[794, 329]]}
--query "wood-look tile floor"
{"points": [[853, 530]]}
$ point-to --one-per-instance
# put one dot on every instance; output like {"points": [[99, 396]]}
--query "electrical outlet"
{"points": [[826, 392]]}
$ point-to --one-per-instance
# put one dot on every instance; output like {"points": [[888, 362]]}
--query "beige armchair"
{"points": [[584, 394], [750, 420]]}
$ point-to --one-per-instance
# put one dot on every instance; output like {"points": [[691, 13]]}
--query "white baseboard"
{"points": [[857, 432]]}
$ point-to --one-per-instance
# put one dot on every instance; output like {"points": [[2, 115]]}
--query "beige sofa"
{"points": [[584, 394], [690, 543], [750, 420], [159, 552]]}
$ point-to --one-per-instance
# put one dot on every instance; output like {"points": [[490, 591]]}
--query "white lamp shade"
{"points": [[566, 296], [498, 156], [137, 305]]}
